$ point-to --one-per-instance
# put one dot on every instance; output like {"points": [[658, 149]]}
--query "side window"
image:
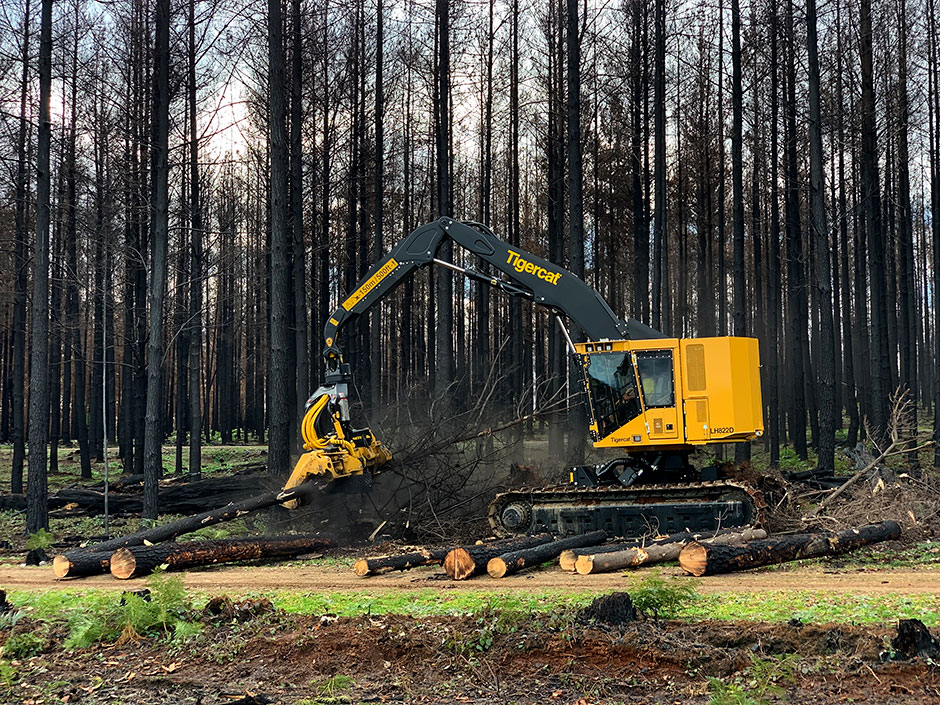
{"points": [[656, 377]]}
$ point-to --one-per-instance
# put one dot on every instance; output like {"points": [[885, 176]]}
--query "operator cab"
{"points": [[667, 393]]}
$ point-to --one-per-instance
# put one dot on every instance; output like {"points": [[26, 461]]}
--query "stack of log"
{"points": [[140, 553], [698, 553]]}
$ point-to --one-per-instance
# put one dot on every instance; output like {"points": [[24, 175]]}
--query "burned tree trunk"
{"points": [[186, 525], [651, 555], [78, 564], [701, 559], [365, 567], [514, 561], [134, 561], [465, 562], [568, 558]]}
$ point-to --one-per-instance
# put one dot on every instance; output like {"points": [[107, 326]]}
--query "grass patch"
{"points": [[425, 603], [815, 607], [71, 606]]}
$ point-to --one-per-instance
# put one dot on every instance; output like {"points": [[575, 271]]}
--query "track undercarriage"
{"points": [[632, 510]]}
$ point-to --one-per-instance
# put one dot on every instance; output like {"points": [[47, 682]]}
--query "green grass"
{"points": [[815, 607], [777, 606], [425, 603]]}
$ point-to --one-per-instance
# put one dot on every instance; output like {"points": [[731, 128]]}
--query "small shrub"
{"points": [[728, 694], [23, 645], [41, 539], [764, 675], [329, 687], [663, 598]]}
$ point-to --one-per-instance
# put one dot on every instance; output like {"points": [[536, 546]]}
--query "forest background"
{"points": [[187, 189]]}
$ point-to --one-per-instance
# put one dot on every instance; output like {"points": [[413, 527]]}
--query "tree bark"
{"points": [[20, 263], [700, 559], [365, 567], [466, 562], [742, 451], [871, 205], [513, 561], [660, 246], [135, 561], [302, 377], [153, 437], [443, 325], [378, 244], [37, 510], [651, 555], [78, 564], [825, 372], [195, 290], [577, 418], [279, 375]]}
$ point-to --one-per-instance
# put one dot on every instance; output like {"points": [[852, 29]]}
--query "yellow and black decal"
{"points": [[523, 265], [369, 284]]}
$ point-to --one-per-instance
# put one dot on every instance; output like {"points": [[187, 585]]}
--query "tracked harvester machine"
{"points": [[654, 398]]}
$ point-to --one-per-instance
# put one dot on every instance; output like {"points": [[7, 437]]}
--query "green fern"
{"points": [[8, 674]]}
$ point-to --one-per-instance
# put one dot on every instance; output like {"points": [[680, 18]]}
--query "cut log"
{"points": [[378, 565], [78, 564], [514, 561], [657, 553], [568, 559], [135, 561], [466, 561], [186, 525], [385, 564], [702, 559]]}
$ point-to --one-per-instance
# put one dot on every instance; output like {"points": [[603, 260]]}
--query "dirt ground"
{"points": [[281, 659], [310, 660], [236, 579]]}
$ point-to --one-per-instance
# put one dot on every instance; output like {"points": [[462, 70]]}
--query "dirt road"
{"points": [[235, 579]]}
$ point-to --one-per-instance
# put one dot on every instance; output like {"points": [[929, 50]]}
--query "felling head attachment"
{"points": [[333, 449]]}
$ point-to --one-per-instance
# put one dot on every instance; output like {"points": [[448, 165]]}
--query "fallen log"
{"points": [[78, 564], [568, 559], [365, 567], [703, 559], [653, 554], [174, 497], [466, 561], [135, 561], [186, 525], [514, 561]]}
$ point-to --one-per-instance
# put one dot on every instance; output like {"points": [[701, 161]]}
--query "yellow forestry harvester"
{"points": [[655, 398]]}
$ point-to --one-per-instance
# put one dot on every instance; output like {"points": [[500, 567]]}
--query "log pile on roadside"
{"points": [[701, 553]]}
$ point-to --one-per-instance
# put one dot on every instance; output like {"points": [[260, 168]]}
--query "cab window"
{"points": [[654, 368], [612, 389]]}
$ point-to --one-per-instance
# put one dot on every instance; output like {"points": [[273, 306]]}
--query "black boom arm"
{"points": [[531, 277]]}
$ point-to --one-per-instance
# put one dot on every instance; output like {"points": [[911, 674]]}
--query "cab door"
{"points": [[656, 373]]}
